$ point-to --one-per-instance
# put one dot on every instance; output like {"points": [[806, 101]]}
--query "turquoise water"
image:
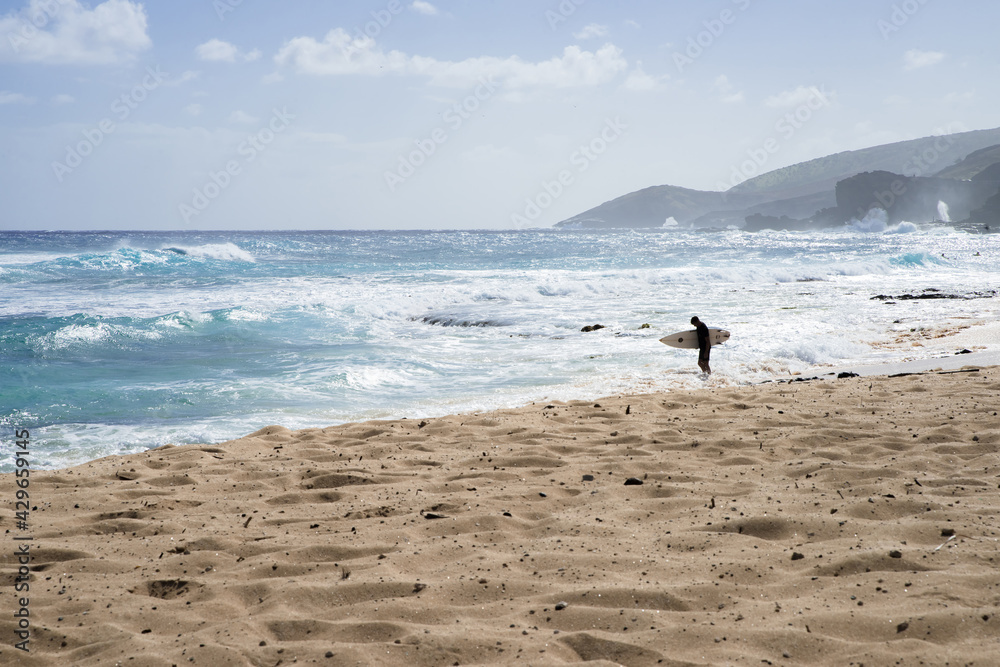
{"points": [[118, 342]]}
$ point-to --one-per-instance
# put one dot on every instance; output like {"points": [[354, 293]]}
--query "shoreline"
{"points": [[929, 365], [798, 523]]}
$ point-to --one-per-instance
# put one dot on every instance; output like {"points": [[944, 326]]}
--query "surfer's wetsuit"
{"points": [[704, 346]]}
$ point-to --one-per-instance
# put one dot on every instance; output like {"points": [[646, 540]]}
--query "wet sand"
{"points": [[841, 522]]}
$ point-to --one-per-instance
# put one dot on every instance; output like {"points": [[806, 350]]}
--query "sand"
{"points": [[840, 522]]}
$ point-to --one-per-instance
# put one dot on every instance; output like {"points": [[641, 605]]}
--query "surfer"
{"points": [[704, 344]]}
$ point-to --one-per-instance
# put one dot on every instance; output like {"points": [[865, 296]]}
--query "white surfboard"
{"points": [[689, 339]]}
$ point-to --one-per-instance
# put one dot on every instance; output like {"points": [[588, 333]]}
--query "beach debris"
{"points": [[422, 424], [945, 542], [628, 409], [633, 481], [561, 605], [846, 374], [419, 587], [947, 532], [588, 478]]}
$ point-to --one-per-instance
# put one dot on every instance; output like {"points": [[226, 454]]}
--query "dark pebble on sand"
{"points": [[902, 627], [633, 481], [797, 556], [588, 478], [561, 605], [895, 554]]}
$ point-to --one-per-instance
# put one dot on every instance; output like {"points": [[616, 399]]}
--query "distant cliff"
{"points": [[915, 199], [652, 207], [988, 215], [827, 191]]}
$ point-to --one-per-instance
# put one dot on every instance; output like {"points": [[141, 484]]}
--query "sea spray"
{"points": [[943, 212]]}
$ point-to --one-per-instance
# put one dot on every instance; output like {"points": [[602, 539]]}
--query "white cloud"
{"points": [[63, 99], [187, 75], [65, 32], [273, 77], [959, 98], [340, 54], [640, 82], [792, 98], [242, 117], [193, 109], [915, 58], [424, 8], [591, 30], [218, 51], [725, 88], [15, 98], [632, 24]]}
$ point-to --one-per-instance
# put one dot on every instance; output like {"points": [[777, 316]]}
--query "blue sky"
{"points": [[302, 114]]}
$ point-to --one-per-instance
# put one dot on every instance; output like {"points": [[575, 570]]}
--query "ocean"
{"points": [[117, 342]]}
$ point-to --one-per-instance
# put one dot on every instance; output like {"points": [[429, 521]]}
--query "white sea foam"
{"points": [[324, 329], [220, 251]]}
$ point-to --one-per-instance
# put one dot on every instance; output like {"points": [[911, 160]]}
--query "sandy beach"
{"points": [[836, 521]]}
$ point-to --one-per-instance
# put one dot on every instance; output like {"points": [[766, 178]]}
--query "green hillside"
{"points": [[916, 157], [799, 191], [976, 163]]}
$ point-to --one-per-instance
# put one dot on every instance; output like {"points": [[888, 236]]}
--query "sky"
{"points": [[454, 114]]}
